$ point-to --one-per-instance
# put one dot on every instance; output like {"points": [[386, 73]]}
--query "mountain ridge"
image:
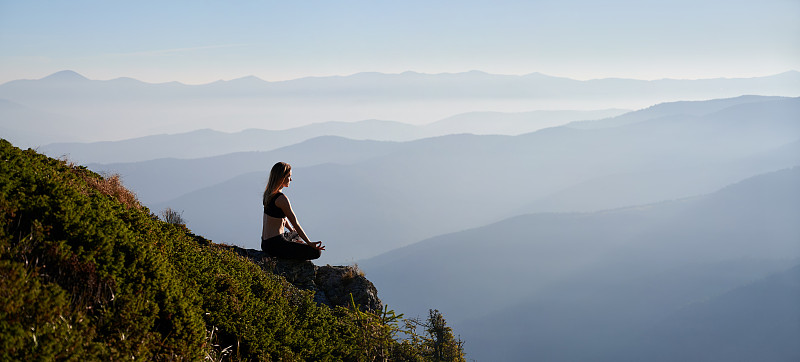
{"points": [[679, 251], [124, 108], [652, 166], [212, 143], [664, 159], [69, 74]]}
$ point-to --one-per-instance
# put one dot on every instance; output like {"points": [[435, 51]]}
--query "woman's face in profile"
{"points": [[287, 180]]}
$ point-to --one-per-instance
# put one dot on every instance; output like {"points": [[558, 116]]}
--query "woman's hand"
{"points": [[317, 245]]}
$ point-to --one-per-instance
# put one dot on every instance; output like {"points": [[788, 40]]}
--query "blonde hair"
{"points": [[278, 174]]}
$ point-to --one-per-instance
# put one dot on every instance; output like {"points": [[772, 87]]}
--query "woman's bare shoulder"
{"points": [[281, 199]]}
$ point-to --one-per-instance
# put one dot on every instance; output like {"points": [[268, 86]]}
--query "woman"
{"points": [[280, 221]]}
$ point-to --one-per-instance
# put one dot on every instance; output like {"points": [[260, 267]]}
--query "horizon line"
{"points": [[395, 74]]}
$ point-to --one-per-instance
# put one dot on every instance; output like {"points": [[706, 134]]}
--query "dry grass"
{"points": [[112, 186], [67, 162], [352, 272]]}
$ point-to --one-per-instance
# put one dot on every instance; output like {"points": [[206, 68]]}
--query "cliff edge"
{"points": [[332, 285]]}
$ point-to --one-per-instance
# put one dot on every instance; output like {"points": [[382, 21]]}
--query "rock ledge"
{"points": [[332, 285]]}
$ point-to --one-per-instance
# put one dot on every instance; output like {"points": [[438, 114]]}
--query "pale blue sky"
{"points": [[203, 41]]}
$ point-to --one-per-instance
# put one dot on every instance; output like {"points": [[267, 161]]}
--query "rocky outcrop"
{"points": [[332, 285]]}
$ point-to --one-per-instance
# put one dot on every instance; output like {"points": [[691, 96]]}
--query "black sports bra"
{"points": [[273, 210]]}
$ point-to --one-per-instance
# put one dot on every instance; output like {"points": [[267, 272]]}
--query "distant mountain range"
{"points": [[756, 321], [163, 179], [124, 108], [407, 85], [680, 280], [369, 197], [207, 143]]}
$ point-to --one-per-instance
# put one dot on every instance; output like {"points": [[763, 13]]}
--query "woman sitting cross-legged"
{"points": [[280, 223]]}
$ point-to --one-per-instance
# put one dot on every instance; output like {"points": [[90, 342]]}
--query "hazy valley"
{"points": [[403, 192], [535, 286]]}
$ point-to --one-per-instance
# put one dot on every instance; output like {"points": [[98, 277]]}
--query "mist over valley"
{"points": [[126, 108], [402, 192]]}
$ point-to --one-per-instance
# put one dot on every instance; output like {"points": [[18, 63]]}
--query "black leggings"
{"points": [[278, 246]]}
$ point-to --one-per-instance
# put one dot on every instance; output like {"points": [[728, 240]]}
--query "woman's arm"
{"points": [[287, 225], [283, 203]]}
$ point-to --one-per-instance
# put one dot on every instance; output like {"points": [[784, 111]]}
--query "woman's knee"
{"points": [[314, 254]]}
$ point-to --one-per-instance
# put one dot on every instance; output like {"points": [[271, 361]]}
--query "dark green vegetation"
{"points": [[87, 273]]}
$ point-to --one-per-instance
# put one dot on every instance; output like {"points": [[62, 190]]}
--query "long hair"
{"points": [[279, 173]]}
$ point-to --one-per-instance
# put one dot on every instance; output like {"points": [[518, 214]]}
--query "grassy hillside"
{"points": [[87, 273]]}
